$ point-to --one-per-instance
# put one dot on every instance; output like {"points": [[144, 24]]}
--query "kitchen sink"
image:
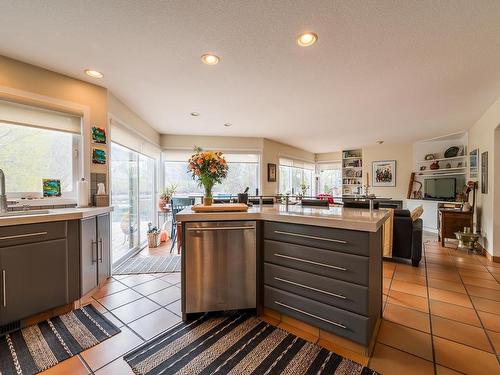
{"points": [[24, 213]]}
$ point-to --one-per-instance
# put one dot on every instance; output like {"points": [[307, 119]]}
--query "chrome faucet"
{"points": [[3, 195]]}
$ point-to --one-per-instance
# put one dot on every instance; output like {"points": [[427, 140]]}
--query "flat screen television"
{"points": [[440, 188]]}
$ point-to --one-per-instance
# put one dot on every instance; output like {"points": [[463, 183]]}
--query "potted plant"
{"points": [[166, 195], [303, 189], [209, 168]]}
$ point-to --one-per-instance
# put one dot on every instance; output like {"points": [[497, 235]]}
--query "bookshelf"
{"points": [[352, 172]]}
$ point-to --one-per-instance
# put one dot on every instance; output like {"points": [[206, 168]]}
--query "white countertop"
{"points": [[56, 214], [333, 217]]}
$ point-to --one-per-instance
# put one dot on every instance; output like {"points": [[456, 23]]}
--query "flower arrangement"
{"points": [[166, 195], [209, 168]]}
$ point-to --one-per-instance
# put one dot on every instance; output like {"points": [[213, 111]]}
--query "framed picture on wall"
{"points": [[484, 172], [473, 163], [98, 135], [271, 172], [384, 173]]}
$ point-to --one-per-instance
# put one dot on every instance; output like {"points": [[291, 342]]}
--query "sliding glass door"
{"points": [[132, 196]]}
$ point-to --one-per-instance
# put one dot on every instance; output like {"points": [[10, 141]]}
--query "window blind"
{"points": [[20, 114], [296, 163], [130, 139]]}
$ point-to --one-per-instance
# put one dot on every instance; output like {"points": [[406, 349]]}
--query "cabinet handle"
{"points": [[100, 243], [311, 315], [23, 235], [208, 229], [310, 288], [310, 237], [310, 262], [4, 289], [94, 246]]}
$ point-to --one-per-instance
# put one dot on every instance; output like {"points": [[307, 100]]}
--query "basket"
{"points": [[154, 239]]}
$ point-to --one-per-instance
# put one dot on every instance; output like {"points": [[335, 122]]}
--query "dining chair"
{"points": [[178, 204]]}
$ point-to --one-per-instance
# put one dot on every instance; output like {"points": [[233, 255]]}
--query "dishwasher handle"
{"points": [[218, 228]]}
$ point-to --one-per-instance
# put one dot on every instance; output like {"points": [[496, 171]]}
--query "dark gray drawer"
{"points": [[340, 322], [29, 233], [348, 241], [333, 292], [341, 266]]}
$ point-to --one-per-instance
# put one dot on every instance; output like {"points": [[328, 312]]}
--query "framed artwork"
{"points": [[384, 173], [484, 172], [98, 135], [271, 172], [51, 187], [473, 163], [98, 156]]}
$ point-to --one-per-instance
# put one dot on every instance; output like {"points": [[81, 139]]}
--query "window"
{"points": [[330, 178], [293, 175], [243, 172], [29, 154]]}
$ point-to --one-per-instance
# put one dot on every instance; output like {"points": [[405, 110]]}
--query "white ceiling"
{"points": [[393, 70]]}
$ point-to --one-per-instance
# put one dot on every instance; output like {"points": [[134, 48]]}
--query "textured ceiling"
{"points": [[393, 70]]}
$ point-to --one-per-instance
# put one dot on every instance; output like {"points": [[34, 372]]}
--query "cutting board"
{"points": [[221, 207]]}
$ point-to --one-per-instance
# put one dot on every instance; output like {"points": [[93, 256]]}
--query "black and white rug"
{"points": [[149, 264], [236, 344], [43, 345]]}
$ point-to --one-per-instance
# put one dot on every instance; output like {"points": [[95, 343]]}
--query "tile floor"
{"points": [[440, 318]]}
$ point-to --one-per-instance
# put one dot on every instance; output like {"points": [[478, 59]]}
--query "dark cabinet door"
{"points": [[34, 279], [88, 237], [103, 239]]}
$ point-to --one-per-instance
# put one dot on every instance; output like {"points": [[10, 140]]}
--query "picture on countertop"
{"points": [[384, 173], [98, 156], [51, 187], [98, 135]]}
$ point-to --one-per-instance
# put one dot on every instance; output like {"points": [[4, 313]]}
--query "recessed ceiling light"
{"points": [[194, 114], [380, 142], [227, 124], [307, 39], [210, 59], [93, 73]]}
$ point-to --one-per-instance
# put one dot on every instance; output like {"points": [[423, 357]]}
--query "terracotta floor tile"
{"points": [[410, 277], [117, 367], [444, 275], [135, 310], [495, 340], [166, 296], [99, 307], [175, 307], [446, 285], [387, 360], [388, 265], [119, 299], [172, 278], [73, 366], [460, 332], [154, 323], [483, 292], [110, 349], [487, 305], [137, 279], [151, 286], [410, 288], [477, 275], [465, 359], [490, 321], [407, 317], [406, 339], [468, 266], [450, 297], [420, 270], [441, 370], [386, 283], [109, 288], [454, 312], [408, 300]]}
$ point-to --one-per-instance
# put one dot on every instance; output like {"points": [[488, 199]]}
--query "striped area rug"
{"points": [[43, 345], [236, 344], [150, 264]]}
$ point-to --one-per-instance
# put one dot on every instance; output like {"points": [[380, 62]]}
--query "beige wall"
{"points": [[485, 136], [329, 156], [403, 154]]}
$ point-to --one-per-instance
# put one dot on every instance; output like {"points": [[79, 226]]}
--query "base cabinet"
{"points": [[95, 251]]}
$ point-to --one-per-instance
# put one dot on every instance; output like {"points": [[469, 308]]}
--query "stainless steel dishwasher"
{"points": [[220, 270]]}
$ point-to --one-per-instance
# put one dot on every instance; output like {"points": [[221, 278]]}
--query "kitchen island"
{"points": [[318, 269]]}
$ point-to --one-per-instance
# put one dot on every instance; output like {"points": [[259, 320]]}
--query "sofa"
{"points": [[407, 237]]}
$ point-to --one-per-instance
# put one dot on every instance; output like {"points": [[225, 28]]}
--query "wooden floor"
{"points": [[440, 318]]}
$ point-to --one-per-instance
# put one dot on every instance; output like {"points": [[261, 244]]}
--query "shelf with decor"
{"points": [[462, 157], [352, 172], [440, 170]]}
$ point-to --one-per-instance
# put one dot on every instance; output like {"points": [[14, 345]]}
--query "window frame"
{"points": [[318, 172], [312, 186]]}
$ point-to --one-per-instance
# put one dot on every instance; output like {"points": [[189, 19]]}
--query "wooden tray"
{"points": [[221, 207]]}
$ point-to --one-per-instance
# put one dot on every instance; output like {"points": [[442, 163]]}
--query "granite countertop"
{"points": [[333, 217], [56, 214]]}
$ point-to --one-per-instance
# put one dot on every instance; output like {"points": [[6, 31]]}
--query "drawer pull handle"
{"points": [[310, 262], [311, 315], [4, 289], [310, 237], [211, 229], [23, 235], [310, 288]]}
